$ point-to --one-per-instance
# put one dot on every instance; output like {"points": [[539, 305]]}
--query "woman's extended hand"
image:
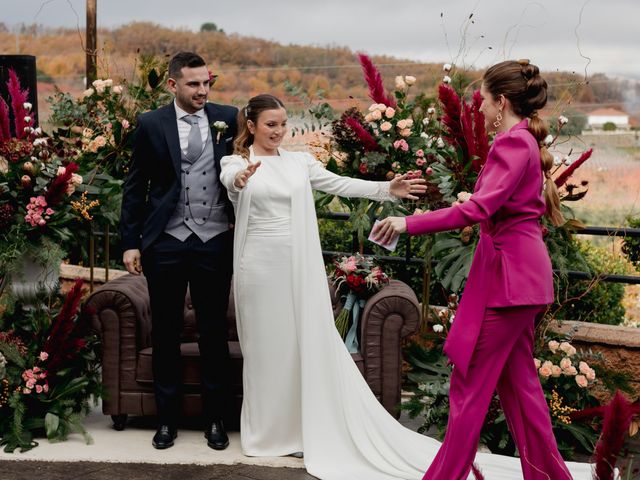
{"points": [[402, 188], [242, 177], [388, 229]]}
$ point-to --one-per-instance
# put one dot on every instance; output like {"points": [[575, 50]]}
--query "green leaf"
{"points": [[51, 423]]}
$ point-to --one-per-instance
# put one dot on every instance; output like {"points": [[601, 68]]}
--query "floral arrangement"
{"points": [[356, 278], [38, 180], [48, 371]]}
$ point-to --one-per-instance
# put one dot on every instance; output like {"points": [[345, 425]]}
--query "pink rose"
{"points": [[368, 118], [405, 132], [556, 371], [376, 115], [39, 388], [591, 375], [565, 363], [45, 388], [389, 112], [44, 355], [31, 383], [402, 124], [420, 162], [350, 266], [429, 171], [553, 346], [583, 367], [420, 153], [537, 363], [571, 371], [581, 380], [545, 372], [385, 126], [26, 391], [401, 145], [125, 124]]}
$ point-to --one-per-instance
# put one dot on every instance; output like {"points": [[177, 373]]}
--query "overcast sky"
{"points": [[544, 31]]}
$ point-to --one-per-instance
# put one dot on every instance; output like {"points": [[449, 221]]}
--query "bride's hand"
{"points": [[242, 177], [400, 187], [388, 229]]}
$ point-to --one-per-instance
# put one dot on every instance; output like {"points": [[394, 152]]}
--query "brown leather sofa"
{"points": [[120, 314]]}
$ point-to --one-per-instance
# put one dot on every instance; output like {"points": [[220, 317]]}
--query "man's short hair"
{"points": [[184, 59]]}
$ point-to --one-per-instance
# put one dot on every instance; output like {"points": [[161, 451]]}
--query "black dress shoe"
{"points": [[164, 437], [216, 436]]}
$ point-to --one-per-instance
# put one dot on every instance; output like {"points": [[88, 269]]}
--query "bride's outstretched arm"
{"points": [[326, 181]]}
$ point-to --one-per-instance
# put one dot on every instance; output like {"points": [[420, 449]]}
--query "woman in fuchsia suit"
{"points": [[509, 285]]}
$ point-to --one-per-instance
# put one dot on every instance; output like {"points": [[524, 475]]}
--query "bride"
{"points": [[302, 390]]}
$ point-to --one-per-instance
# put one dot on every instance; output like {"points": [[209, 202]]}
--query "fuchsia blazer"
{"points": [[511, 265]]}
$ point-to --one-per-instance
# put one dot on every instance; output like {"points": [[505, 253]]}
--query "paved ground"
{"points": [[29, 470]]}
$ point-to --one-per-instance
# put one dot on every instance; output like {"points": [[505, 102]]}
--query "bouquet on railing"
{"points": [[356, 278]]}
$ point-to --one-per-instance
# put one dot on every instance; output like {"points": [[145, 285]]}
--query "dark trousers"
{"points": [[169, 266]]}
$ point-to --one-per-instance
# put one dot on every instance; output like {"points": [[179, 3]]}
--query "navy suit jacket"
{"points": [[152, 188]]}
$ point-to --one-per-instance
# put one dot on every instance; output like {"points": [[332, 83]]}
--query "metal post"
{"points": [[106, 253], [91, 258], [92, 42]]}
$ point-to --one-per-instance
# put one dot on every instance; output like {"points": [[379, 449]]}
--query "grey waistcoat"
{"points": [[200, 208]]}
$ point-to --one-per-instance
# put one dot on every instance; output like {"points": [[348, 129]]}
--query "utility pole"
{"points": [[92, 42]]}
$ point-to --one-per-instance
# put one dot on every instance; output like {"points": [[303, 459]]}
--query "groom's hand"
{"points": [[242, 177], [131, 260]]}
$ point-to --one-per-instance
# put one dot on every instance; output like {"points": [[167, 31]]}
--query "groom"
{"points": [[175, 227]]}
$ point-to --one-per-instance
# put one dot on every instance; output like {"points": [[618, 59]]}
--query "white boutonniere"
{"points": [[220, 127]]}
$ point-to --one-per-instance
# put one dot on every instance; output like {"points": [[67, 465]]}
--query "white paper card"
{"points": [[389, 246]]}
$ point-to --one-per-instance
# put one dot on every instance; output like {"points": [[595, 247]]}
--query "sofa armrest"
{"points": [[389, 316], [120, 314]]}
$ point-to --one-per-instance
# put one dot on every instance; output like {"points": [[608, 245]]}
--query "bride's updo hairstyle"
{"points": [[521, 83], [252, 111]]}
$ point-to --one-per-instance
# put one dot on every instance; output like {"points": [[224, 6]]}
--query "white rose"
{"points": [[425, 135], [38, 131], [410, 80], [117, 89], [431, 111], [548, 140], [108, 82], [438, 328], [440, 143], [27, 106], [425, 121], [446, 67], [446, 79], [452, 318], [400, 83], [557, 161], [562, 120], [463, 196], [88, 92]]}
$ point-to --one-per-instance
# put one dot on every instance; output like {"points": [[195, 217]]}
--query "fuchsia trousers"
{"points": [[502, 361]]}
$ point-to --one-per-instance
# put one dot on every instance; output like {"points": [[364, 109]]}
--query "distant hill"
{"points": [[248, 65]]}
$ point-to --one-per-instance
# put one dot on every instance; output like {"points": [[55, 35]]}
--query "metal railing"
{"points": [[405, 260], [408, 259]]}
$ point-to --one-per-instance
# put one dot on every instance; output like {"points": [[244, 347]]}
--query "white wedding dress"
{"points": [[302, 390]]}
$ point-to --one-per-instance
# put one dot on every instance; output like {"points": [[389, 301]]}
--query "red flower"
{"points": [[58, 188], [368, 142], [374, 80], [363, 168], [562, 179]]}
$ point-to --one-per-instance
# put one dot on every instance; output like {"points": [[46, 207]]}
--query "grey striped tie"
{"points": [[194, 142]]}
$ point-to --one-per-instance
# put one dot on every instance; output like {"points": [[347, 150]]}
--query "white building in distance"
{"points": [[599, 117]]}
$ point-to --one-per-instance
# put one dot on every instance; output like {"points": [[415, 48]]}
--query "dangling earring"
{"points": [[498, 121]]}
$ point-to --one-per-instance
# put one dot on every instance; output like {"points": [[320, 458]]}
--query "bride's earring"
{"points": [[498, 121]]}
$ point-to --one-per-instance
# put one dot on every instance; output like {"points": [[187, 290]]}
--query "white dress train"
{"points": [[302, 390]]}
